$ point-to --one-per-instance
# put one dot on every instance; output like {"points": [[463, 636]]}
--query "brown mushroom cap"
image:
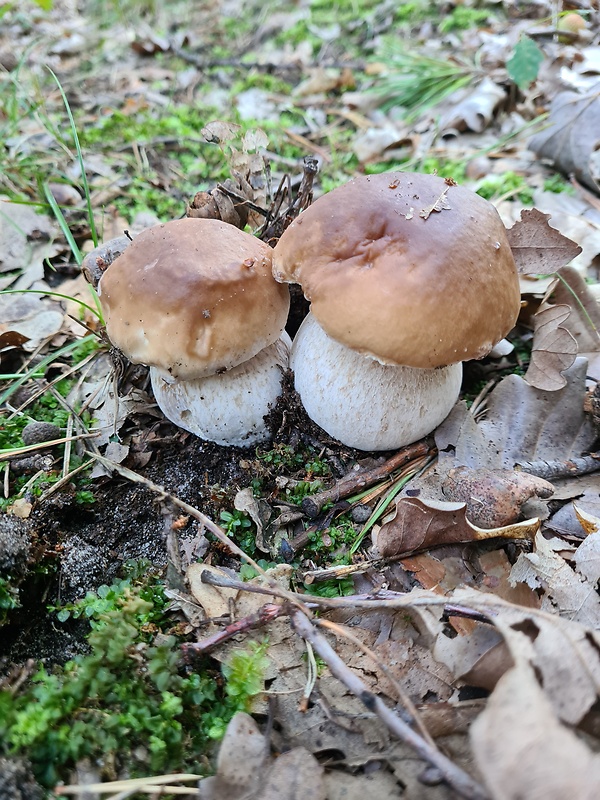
{"points": [[392, 278], [193, 297]]}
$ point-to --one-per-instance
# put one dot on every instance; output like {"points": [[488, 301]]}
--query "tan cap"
{"points": [[193, 297], [407, 268]]}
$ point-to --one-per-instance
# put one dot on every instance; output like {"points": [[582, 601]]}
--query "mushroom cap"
{"points": [[392, 278], [193, 297]]}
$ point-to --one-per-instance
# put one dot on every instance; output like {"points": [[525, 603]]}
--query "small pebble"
{"points": [[360, 513], [38, 432]]}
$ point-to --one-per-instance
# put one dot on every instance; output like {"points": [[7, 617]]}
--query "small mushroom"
{"points": [[195, 300], [408, 275]]}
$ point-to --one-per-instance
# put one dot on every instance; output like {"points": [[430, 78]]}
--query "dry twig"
{"points": [[356, 481], [454, 776]]}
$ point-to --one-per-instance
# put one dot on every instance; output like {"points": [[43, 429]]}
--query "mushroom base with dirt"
{"points": [[229, 408], [365, 404]]}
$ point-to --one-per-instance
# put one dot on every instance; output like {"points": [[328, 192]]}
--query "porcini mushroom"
{"points": [[408, 275], [195, 300]]}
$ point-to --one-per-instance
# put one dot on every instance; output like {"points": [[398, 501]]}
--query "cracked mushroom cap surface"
{"points": [[193, 297], [406, 268]]}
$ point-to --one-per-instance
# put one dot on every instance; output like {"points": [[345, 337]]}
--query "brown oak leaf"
{"points": [[554, 349], [537, 247]]}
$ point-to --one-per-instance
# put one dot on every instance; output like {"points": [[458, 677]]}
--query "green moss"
{"points": [[128, 704], [461, 18], [509, 185]]}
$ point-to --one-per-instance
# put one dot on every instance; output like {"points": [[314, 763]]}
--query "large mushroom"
{"points": [[195, 300], [408, 275]]}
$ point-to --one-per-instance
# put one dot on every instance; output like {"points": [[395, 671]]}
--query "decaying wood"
{"points": [[356, 481]]}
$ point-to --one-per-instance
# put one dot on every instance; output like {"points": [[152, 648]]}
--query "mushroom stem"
{"points": [[363, 403], [228, 409]]}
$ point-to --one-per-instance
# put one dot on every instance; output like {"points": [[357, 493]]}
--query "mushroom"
{"points": [[195, 300], [408, 275]]}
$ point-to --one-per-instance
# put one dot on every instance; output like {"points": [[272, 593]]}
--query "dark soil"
{"points": [[74, 549]]}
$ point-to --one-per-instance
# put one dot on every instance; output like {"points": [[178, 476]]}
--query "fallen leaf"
{"points": [[522, 750], [259, 512], [565, 591], [420, 524], [474, 111], [521, 424], [493, 497], [571, 136], [32, 316], [242, 757], [583, 323], [26, 239], [563, 652], [537, 247], [215, 600], [295, 775], [554, 349]]}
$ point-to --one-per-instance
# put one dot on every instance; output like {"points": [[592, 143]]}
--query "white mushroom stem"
{"points": [[363, 403], [229, 408]]}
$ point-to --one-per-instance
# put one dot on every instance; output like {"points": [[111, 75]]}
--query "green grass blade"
{"points": [[64, 226], [84, 180], [42, 365], [45, 292]]}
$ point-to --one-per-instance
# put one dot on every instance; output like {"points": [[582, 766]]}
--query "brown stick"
{"points": [[355, 481], [263, 616], [454, 776], [561, 469]]}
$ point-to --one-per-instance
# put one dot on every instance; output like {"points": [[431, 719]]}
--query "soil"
{"points": [[74, 549]]}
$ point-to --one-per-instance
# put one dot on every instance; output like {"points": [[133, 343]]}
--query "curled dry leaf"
{"points": [[493, 497], [420, 524], [221, 203], [537, 247], [564, 653], [554, 349], [259, 512], [572, 137], [215, 600]]}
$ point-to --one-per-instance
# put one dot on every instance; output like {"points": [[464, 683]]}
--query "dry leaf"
{"points": [[259, 512], [295, 775], [215, 600], [475, 110], [26, 239], [554, 349], [572, 136], [421, 524], [493, 497], [522, 424], [537, 247], [32, 316], [564, 653], [565, 591], [240, 764], [523, 751], [583, 322]]}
